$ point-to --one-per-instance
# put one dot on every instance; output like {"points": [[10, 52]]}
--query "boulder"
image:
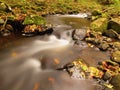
{"points": [[99, 25], [114, 23], [79, 34]]}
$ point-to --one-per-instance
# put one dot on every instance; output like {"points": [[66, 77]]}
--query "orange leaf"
{"points": [[36, 86], [56, 61]]}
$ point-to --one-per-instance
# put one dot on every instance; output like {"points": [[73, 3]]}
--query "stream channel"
{"points": [[30, 63]]}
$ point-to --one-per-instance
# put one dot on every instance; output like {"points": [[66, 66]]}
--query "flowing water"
{"points": [[31, 63]]}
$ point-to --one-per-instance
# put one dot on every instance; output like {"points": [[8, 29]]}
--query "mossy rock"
{"points": [[115, 24], [37, 20], [115, 81], [99, 25], [3, 6], [116, 56], [96, 12]]}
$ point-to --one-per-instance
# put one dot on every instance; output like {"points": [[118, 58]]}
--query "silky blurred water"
{"points": [[31, 63]]}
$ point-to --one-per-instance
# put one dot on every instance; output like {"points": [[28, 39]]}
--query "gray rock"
{"points": [[79, 34]]}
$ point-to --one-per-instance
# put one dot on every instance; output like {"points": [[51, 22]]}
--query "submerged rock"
{"points": [[99, 25]]}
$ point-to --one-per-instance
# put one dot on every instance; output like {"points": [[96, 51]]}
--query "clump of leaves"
{"points": [[37, 20]]}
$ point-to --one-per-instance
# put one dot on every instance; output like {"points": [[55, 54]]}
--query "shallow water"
{"points": [[31, 63]]}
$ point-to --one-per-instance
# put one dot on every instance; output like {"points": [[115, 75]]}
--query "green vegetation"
{"points": [[37, 20], [61, 6], [29, 11]]}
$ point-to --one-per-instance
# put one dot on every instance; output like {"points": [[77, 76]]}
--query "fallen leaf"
{"points": [[56, 61], [36, 86]]}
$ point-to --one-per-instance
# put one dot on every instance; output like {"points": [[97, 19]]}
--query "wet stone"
{"points": [[79, 34]]}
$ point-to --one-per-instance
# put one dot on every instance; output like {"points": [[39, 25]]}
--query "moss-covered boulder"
{"points": [[114, 23], [115, 81], [99, 25]]}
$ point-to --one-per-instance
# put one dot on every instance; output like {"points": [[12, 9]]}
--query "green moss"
{"points": [[37, 20], [99, 25]]}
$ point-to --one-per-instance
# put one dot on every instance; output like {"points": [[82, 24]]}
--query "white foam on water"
{"points": [[80, 15]]}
